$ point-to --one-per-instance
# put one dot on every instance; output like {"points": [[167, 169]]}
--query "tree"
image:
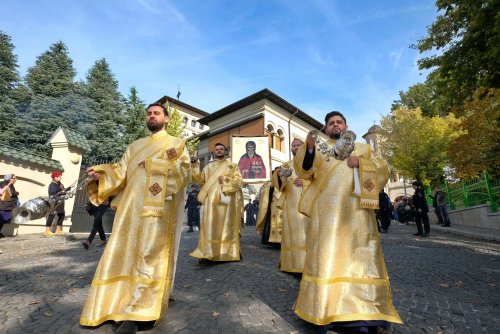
{"points": [[467, 40], [107, 113], [9, 80], [53, 72], [53, 100], [176, 128], [477, 149], [135, 109], [416, 145]]}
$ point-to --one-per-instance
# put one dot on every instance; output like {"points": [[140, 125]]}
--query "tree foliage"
{"points": [[176, 128], [107, 113], [53, 72], [477, 149], [9, 80], [135, 110], [465, 41], [416, 145]]}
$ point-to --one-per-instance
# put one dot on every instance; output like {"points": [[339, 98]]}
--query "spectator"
{"points": [[421, 210], [8, 200], [441, 206]]}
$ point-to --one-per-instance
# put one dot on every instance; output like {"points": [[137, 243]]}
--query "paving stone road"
{"points": [[443, 284]]}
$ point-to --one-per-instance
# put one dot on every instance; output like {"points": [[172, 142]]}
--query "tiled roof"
{"points": [[25, 156], [76, 139]]}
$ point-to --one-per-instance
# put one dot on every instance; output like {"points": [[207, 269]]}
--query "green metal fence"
{"points": [[464, 194]]}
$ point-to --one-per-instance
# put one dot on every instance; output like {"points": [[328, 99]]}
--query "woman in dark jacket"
{"points": [[55, 187], [9, 199]]}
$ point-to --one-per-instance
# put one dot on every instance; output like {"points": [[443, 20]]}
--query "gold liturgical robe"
{"points": [[221, 222], [345, 277], [134, 277], [276, 231], [295, 224], [263, 205]]}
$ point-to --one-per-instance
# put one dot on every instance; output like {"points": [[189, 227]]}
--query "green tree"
{"points": [[416, 145], [9, 80], [477, 149], [466, 41], [176, 128], [107, 113], [54, 99], [53, 73], [136, 126]]}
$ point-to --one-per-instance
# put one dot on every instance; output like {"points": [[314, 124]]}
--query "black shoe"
{"points": [[86, 244], [127, 327], [2, 236], [190, 230], [418, 234], [383, 230], [447, 225], [426, 235]]}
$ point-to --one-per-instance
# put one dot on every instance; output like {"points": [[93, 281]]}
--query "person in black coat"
{"points": [[8, 200], [193, 209], [421, 209], [56, 187]]}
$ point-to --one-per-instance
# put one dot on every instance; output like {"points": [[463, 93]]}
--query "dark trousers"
{"points": [[50, 218], [422, 217], [385, 219], [443, 212], [97, 226], [438, 215]]}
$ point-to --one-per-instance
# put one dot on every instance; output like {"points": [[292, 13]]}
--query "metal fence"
{"points": [[464, 194], [81, 221]]}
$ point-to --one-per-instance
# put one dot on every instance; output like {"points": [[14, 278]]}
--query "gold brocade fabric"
{"points": [[134, 277], [345, 277], [263, 205], [220, 223], [276, 230], [295, 224]]}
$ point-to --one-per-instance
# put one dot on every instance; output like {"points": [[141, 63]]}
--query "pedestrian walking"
{"points": [[98, 212]]}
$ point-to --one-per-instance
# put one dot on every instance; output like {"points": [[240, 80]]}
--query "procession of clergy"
{"points": [[327, 232]]}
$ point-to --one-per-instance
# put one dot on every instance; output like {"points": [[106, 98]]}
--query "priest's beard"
{"points": [[334, 135], [155, 126]]}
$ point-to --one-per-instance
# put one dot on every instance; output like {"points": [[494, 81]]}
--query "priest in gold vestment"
{"points": [[345, 285], [135, 275], [222, 200], [295, 224]]}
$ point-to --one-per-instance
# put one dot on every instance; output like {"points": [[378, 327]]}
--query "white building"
{"points": [[190, 116]]}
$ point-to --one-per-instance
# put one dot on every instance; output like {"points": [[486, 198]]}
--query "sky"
{"points": [[353, 56]]}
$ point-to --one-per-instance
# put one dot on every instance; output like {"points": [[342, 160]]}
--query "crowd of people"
{"points": [[328, 235]]}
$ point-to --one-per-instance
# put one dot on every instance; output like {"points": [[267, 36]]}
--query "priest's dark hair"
{"points": [[165, 111], [334, 113]]}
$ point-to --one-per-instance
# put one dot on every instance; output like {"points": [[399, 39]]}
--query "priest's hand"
{"points": [[90, 172], [310, 141], [220, 179], [141, 164], [353, 162], [298, 183], [193, 160]]}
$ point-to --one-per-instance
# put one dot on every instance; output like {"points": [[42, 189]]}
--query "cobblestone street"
{"points": [[441, 284]]}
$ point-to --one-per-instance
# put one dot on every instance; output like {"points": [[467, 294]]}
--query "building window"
{"points": [[185, 120], [278, 141], [193, 123], [270, 134], [201, 126]]}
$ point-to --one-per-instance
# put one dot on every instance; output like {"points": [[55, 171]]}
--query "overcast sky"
{"points": [[319, 55]]}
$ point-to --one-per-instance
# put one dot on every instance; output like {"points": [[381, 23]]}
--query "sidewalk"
{"points": [[469, 232]]}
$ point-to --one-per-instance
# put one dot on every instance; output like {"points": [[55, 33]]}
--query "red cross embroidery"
{"points": [[155, 189], [368, 185]]}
